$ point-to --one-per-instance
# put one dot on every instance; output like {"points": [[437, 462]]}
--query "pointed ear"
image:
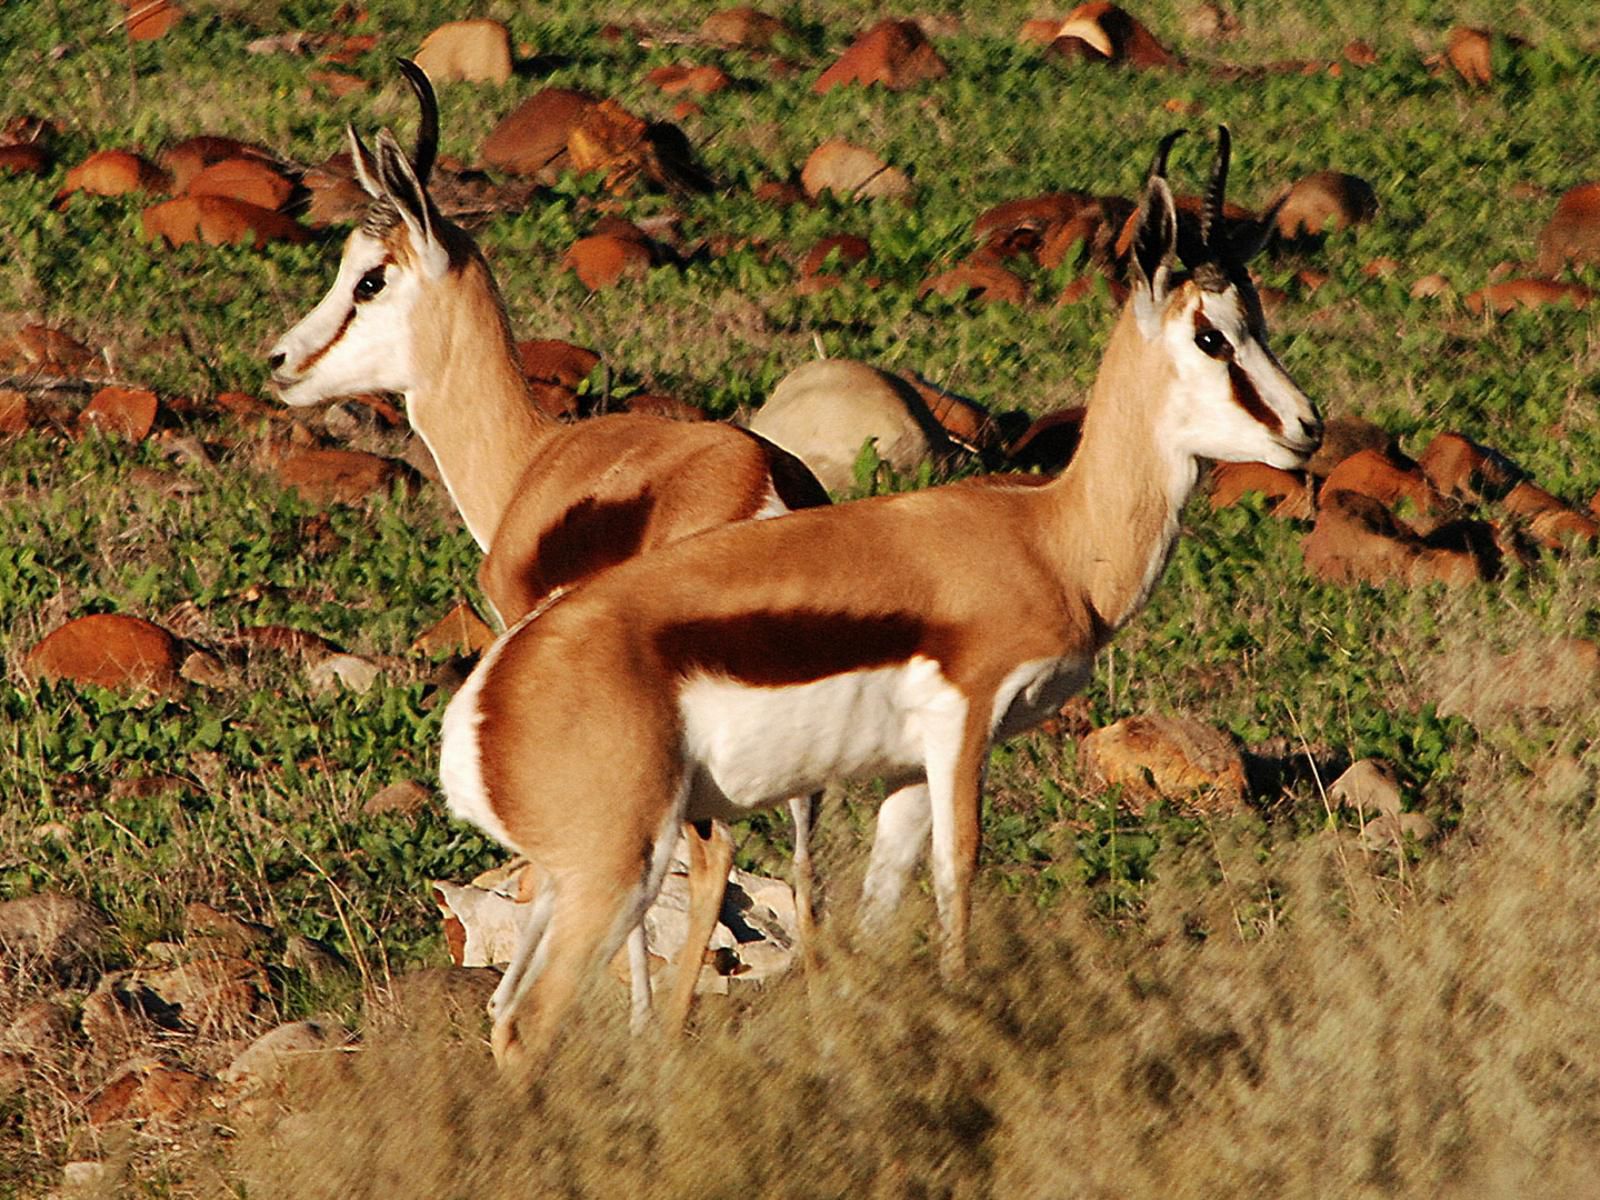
{"points": [[401, 186], [1155, 238], [365, 166]]}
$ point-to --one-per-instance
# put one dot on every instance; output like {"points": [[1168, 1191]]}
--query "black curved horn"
{"points": [[1158, 167], [1211, 215], [428, 128]]}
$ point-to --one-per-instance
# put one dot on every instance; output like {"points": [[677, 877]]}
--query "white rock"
{"points": [[1369, 786], [345, 670], [262, 1060], [822, 412]]}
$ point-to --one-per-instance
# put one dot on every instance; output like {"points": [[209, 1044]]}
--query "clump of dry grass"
{"points": [[1431, 1033]]}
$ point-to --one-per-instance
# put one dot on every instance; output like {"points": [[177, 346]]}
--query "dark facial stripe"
{"points": [[1247, 398], [316, 357], [780, 649]]}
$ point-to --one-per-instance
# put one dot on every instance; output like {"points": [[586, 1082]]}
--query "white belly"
{"points": [[757, 746]]}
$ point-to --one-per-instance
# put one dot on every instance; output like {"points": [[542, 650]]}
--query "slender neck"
{"points": [[1118, 503], [470, 402]]}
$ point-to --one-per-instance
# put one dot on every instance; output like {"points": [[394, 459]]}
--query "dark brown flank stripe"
{"points": [[591, 535], [315, 358], [782, 649]]}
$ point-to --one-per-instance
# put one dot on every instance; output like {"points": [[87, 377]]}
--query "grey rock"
{"points": [[822, 412]]}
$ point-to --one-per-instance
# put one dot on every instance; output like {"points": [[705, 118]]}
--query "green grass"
{"points": [[1250, 1005]]}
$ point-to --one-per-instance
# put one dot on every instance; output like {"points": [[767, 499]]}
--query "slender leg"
{"points": [[955, 769], [595, 900], [639, 978], [710, 857], [535, 920], [903, 822], [804, 810]]}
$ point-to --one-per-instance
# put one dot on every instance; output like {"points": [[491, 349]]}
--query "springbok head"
{"points": [[1233, 400], [359, 338]]}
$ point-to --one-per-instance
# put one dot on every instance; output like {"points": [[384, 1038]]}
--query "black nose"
{"points": [[275, 361], [1312, 429]]}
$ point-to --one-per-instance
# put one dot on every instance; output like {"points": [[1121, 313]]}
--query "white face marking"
{"points": [[348, 344], [1208, 419]]}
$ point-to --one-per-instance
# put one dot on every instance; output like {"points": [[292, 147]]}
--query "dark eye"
{"points": [[1214, 343], [370, 284]]}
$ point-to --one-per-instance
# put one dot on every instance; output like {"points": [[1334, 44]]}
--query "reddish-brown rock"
{"points": [[604, 259], [893, 54], [114, 173], [981, 281], [1386, 478], [1359, 53], [123, 412], [532, 140], [546, 360], [16, 412], [188, 158], [1358, 540], [1231, 482], [151, 19], [219, 221], [1527, 293], [339, 83], [145, 1090], [1050, 442], [1550, 519], [851, 172], [1040, 214], [24, 160], [846, 250], [1572, 235], [1457, 466], [1471, 53], [474, 51], [339, 476], [608, 139], [701, 81], [1344, 436], [110, 650], [553, 400], [1326, 198], [743, 27], [1166, 758], [1102, 32], [246, 179], [46, 351], [459, 631]]}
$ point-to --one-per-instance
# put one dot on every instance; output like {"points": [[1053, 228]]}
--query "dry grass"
{"points": [[1427, 1031]]}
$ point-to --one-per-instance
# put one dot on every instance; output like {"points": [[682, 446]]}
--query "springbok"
{"points": [[895, 637], [415, 310]]}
